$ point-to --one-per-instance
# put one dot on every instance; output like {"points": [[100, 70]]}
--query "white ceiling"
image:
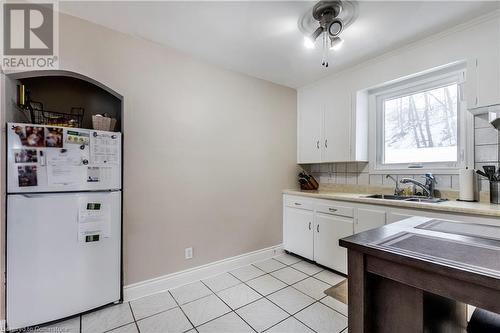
{"points": [[261, 38]]}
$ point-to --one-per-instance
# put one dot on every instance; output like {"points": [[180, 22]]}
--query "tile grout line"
{"points": [[180, 308], [315, 300], [133, 316], [232, 310], [308, 307], [264, 297], [279, 307], [245, 283]]}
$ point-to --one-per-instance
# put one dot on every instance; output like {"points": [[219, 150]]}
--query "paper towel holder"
{"points": [[474, 193]]}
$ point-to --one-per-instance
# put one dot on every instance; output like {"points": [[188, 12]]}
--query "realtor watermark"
{"points": [[30, 38]]}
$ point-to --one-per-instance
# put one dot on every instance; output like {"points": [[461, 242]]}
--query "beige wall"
{"points": [[207, 150]]}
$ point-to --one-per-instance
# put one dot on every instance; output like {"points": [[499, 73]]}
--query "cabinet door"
{"points": [[310, 117], [488, 78], [328, 229], [369, 219], [337, 128], [395, 217], [298, 232]]}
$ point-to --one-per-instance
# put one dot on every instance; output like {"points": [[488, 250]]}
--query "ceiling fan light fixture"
{"points": [[336, 43], [325, 22], [335, 28], [309, 43]]}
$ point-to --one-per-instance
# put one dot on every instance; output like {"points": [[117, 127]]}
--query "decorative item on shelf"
{"points": [[23, 101], [307, 182], [103, 122]]}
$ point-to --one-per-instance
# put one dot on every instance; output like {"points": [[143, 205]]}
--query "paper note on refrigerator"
{"points": [[104, 148], [64, 167], [93, 220]]}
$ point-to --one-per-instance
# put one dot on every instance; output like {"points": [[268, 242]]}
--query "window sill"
{"points": [[411, 171]]}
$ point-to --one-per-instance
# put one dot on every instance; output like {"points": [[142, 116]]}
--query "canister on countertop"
{"points": [[495, 192]]}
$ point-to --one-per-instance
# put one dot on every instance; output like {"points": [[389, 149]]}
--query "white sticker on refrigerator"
{"points": [[104, 148], [93, 174], [64, 167], [93, 220]]}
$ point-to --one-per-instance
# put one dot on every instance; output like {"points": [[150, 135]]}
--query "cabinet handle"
{"points": [[317, 144], [309, 225], [326, 143], [317, 228], [297, 204], [332, 209]]}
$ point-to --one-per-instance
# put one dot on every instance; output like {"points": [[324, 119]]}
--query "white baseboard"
{"points": [[170, 281]]}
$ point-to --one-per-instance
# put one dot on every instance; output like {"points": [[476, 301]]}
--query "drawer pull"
{"points": [[309, 225], [333, 210], [317, 228], [297, 204]]}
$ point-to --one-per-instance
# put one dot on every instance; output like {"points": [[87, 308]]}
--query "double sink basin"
{"points": [[405, 198]]}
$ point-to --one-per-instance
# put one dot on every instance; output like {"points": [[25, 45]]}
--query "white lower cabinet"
{"points": [[395, 217], [369, 219], [312, 227], [327, 232], [298, 231], [313, 230]]}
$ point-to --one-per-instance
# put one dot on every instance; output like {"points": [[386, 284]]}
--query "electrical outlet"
{"points": [[188, 253]]}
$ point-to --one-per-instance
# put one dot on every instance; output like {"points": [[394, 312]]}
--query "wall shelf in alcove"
{"points": [[59, 91]]}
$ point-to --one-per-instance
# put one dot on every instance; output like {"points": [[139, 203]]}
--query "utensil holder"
{"points": [[495, 192]]}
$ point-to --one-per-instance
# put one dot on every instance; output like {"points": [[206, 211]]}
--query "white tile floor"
{"points": [[279, 295]]}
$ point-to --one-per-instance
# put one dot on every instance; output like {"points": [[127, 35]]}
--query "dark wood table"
{"points": [[417, 275]]}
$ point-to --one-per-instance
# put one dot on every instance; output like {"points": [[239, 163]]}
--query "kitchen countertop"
{"points": [[452, 206]]}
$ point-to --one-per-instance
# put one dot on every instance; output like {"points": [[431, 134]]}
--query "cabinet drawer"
{"points": [[335, 210], [298, 202]]}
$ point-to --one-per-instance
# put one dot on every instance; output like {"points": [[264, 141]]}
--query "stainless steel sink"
{"points": [[405, 198], [387, 197], [429, 200]]}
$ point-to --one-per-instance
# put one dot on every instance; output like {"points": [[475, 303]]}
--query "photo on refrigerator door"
{"points": [[54, 137], [25, 156], [35, 136], [21, 133], [27, 175]]}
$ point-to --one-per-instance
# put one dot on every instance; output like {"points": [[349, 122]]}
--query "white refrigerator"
{"points": [[63, 222]]}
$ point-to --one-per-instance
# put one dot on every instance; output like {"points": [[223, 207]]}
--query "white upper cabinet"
{"points": [[484, 81], [327, 131], [337, 128], [483, 71], [310, 119]]}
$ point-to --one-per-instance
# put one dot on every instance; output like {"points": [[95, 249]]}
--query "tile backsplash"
{"points": [[486, 147]]}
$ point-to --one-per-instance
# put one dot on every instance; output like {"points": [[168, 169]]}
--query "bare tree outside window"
{"points": [[421, 127]]}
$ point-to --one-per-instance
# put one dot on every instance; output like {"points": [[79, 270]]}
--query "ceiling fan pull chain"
{"points": [[325, 48]]}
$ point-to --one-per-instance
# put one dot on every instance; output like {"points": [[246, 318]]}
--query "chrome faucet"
{"points": [[427, 187], [397, 190]]}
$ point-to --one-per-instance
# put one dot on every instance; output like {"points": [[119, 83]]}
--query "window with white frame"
{"points": [[420, 123]]}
